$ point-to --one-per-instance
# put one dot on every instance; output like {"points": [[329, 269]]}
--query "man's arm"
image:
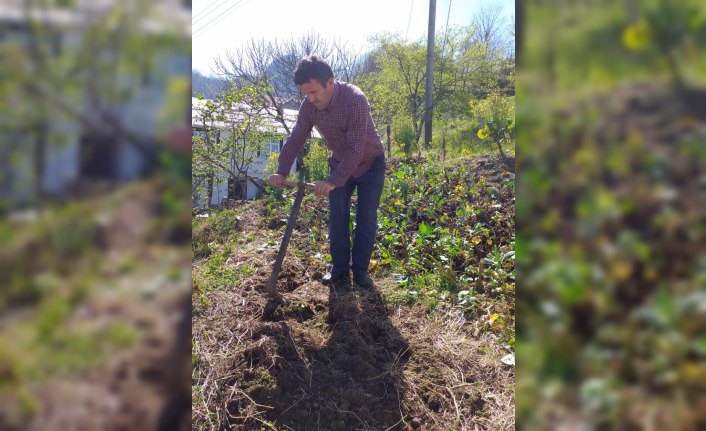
{"points": [[358, 123], [295, 141]]}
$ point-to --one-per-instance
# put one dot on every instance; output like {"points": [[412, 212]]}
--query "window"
{"points": [[268, 148], [272, 147], [98, 155]]}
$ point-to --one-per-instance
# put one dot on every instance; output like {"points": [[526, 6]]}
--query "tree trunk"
{"points": [[209, 192], [519, 29], [632, 10], [428, 110], [500, 148], [40, 150], [195, 193], [419, 136], [677, 79]]}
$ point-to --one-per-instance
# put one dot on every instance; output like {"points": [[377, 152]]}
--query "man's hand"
{"points": [[276, 180], [323, 188]]}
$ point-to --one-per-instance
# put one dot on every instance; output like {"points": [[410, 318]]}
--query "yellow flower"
{"points": [[621, 270], [483, 133], [637, 36]]}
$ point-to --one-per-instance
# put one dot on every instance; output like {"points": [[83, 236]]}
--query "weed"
{"points": [[121, 334]]}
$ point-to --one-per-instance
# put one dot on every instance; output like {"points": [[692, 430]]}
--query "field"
{"points": [[429, 347]]}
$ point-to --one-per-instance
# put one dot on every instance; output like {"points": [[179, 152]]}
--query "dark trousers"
{"points": [[369, 187]]}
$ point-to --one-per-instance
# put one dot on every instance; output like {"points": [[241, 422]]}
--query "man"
{"points": [[341, 112]]}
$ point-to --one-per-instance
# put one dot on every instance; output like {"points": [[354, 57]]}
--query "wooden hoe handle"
{"points": [[307, 186]]}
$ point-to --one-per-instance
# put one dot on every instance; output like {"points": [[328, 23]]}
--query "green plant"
{"points": [[316, 161], [466, 299], [121, 334], [406, 137], [498, 131], [500, 268], [51, 314], [666, 30]]}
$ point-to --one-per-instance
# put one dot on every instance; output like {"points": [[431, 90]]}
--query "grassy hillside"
{"points": [[92, 290], [423, 350]]}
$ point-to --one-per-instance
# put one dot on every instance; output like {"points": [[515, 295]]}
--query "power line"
{"points": [[446, 29], [221, 17], [214, 22], [409, 20], [204, 9], [196, 20], [448, 14]]}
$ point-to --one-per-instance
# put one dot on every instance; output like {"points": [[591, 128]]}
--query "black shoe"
{"points": [[363, 280], [334, 277]]}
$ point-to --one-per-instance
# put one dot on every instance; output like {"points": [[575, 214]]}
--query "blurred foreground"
{"points": [[94, 215], [610, 214], [96, 292]]}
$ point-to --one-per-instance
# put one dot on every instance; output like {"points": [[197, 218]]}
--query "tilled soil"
{"points": [[342, 359], [338, 358]]}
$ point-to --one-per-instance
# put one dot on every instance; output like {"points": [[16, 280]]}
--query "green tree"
{"points": [[400, 81], [268, 66], [466, 68], [463, 72], [231, 133]]}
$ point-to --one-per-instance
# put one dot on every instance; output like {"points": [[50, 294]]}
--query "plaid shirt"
{"points": [[348, 129]]}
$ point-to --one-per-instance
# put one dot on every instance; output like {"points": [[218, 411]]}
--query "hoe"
{"points": [[272, 282]]}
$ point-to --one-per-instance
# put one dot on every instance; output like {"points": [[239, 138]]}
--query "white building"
{"points": [[88, 133], [225, 188]]}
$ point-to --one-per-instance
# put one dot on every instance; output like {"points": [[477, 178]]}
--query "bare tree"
{"points": [[490, 27], [271, 65]]}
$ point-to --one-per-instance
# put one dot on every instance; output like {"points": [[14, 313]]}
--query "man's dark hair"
{"points": [[312, 67]]}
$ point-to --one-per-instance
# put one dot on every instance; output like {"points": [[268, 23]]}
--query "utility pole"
{"points": [[430, 75]]}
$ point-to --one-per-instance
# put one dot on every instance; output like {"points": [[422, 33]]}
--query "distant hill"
{"points": [[207, 85]]}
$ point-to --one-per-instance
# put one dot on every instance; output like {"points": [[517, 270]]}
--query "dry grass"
{"points": [[249, 372], [343, 358]]}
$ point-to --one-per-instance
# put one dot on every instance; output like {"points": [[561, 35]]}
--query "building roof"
{"points": [[165, 16], [290, 117]]}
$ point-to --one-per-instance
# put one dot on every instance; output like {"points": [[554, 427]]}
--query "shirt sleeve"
{"points": [[300, 133], [355, 142]]}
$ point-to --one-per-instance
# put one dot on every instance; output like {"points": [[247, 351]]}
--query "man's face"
{"points": [[317, 94]]}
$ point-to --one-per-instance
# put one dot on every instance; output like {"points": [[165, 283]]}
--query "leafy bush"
{"points": [[316, 161]]}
